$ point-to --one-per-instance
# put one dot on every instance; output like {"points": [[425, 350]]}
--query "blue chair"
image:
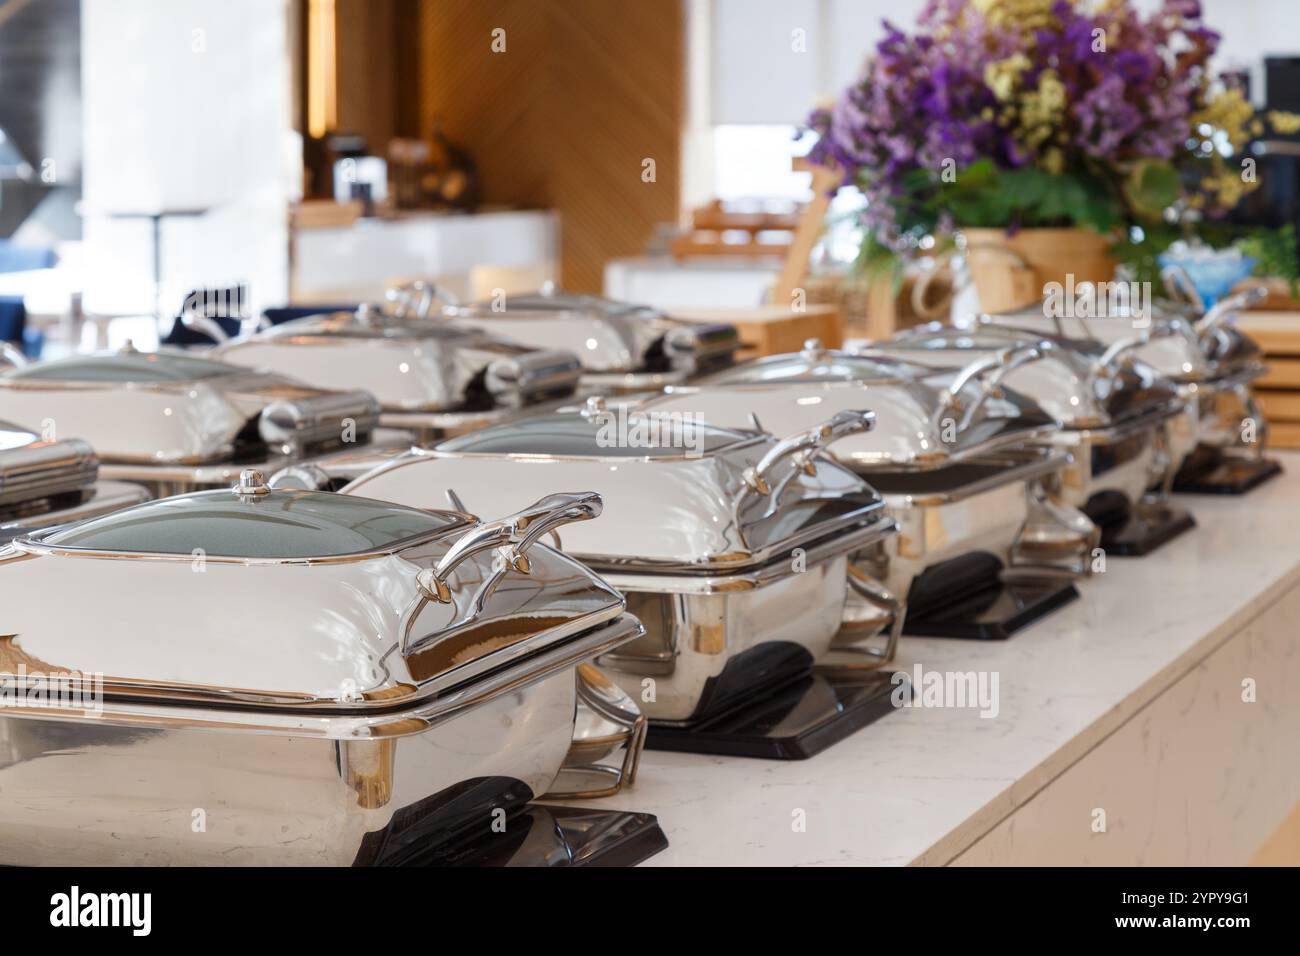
{"points": [[213, 301], [13, 318], [287, 313]]}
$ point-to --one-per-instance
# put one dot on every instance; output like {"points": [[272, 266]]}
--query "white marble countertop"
{"points": [[919, 786]]}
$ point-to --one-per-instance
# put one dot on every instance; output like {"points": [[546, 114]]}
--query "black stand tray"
{"points": [[792, 722], [1146, 529], [1232, 476], [559, 837], [993, 614]]}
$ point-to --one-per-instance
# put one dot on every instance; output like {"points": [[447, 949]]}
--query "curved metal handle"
{"points": [[805, 446], [990, 371], [514, 535], [610, 703], [1180, 287], [205, 325], [1117, 350], [876, 594], [251, 325], [418, 298], [1229, 303]]}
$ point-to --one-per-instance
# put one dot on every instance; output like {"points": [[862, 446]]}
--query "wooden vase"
{"points": [[1010, 271]]}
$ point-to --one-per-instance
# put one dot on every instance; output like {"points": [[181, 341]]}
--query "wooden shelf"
{"points": [[1278, 334], [774, 329]]}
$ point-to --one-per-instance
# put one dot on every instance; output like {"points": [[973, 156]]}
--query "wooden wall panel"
{"points": [[584, 92]]}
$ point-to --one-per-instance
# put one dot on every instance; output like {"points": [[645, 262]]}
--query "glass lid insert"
{"points": [[347, 325], [606, 434], [276, 524], [124, 367], [822, 367]]}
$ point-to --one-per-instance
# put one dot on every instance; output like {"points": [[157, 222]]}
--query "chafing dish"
{"points": [[432, 378], [175, 422], [45, 483], [954, 455], [1211, 362], [622, 347], [731, 546], [315, 679], [1123, 423]]}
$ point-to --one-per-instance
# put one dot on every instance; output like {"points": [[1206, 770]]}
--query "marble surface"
{"points": [[1204, 775], [921, 786]]}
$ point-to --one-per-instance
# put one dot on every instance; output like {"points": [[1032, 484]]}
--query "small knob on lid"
{"points": [[595, 405], [252, 484], [813, 347]]}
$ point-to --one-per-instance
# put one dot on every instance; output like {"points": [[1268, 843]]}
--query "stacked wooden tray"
{"points": [[1278, 334]]}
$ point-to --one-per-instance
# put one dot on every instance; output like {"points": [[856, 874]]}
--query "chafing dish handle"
{"points": [[1181, 289], [418, 297], [873, 592], [608, 701], [1118, 349], [1229, 303], [203, 324], [514, 534], [990, 371], [806, 445]]}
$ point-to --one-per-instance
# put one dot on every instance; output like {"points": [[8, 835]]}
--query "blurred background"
{"points": [[307, 152]]}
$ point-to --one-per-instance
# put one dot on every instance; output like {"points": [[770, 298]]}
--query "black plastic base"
{"points": [[558, 837], [1146, 530], [1232, 476], [994, 614], [792, 722]]}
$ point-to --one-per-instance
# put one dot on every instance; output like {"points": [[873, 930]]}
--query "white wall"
{"points": [[757, 78], [186, 105]]}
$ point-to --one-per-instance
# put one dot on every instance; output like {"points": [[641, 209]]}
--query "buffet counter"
{"points": [[1153, 722], [469, 254]]}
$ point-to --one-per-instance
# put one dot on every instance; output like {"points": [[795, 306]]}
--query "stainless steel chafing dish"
{"points": [[1211, 362], [733, 554], [953, 452], [430, 377], [622, 347], [1120, 419], [315, 679], [44, 483], [178, 422]]}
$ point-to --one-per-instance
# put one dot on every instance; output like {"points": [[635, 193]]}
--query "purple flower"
{"points": [[923, 102]]}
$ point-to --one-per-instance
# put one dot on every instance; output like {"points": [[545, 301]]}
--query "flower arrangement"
{"points": [[1037, 113]]}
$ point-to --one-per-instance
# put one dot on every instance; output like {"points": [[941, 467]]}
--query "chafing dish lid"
{"points": [[1074, 385], [371, 323], [816, 364], [549, 299], [665, 510], [290, 525], [265, 598], [1167, 342], [124, 367], [608, 336], [913, 421], [586, 436]]}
